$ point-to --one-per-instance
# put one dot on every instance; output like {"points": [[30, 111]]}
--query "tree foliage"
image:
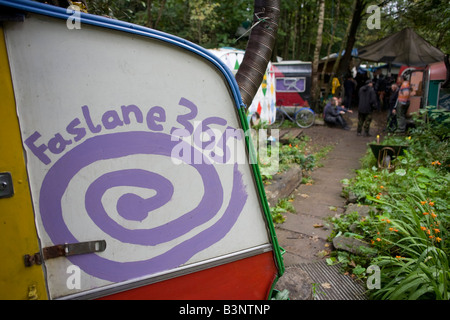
{"points": [[206, 22], [220, 23], [213, 24], [429, 18]]}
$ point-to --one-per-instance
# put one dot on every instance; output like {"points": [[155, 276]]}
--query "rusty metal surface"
{"points": [[64, 250]]}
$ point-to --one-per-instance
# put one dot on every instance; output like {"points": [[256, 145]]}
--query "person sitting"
{"points": [[333, 113]]}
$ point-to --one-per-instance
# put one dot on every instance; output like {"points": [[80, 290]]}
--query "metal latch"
{"points": [[64, 250], [6, 185]]}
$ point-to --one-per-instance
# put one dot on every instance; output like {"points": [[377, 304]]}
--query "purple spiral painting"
{"points": [[133, 207]]}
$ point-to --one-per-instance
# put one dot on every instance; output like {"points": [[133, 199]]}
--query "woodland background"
{"points": [[308, 29]]}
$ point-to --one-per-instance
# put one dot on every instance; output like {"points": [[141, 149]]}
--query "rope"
{"points": [[262, 19]]}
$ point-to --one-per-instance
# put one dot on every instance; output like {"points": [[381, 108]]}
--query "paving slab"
{"points": [[301, 235], [306, 224], [301, 248]]}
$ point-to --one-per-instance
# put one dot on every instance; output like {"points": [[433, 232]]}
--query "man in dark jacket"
{"points": [[367, 103], [333, 114], [392, 117], [349, 88]]}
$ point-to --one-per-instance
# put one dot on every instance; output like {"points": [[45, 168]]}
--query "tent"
{"points": [[404, 47]]}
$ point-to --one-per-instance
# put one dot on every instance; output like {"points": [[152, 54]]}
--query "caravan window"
{"points": [[290, 84]]}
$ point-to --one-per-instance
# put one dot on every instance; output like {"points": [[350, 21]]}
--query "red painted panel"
{"points": [[291, 99], [438, 71], [246, 279]]}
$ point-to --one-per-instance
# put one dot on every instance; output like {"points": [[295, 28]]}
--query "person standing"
{"points": [[335, 84], [349, 88], [402, 106], [367, 103], [392, 118]]}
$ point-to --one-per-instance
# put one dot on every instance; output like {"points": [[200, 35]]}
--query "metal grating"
{"points": [[329, 283]]}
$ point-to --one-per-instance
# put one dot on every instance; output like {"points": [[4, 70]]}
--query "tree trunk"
{"points": [[150, 23], [160, 12], [294, 34], [336, 19], [338, 59], [284, 18], [299, 33], [357, 16], [259, 48], [315, 89], [149, 13]]}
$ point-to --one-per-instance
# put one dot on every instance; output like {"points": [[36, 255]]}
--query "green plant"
{"points": [[294, 154], [410, 228], [433, 121], [355, 226], [417, 236], [349, 262], [425, 276], [284, 205], [280, 295]]}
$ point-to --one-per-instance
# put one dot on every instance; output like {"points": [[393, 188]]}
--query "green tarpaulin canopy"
{"points": [[404, 47]]}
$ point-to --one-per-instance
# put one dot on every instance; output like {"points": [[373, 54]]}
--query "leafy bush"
{"points": [[411, 227], [413, 245], [284, 205], [295, 154]]}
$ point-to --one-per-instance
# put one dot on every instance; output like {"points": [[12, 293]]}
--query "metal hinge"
{"points": [[64, 250]]}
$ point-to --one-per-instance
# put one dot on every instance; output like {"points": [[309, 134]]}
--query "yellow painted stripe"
{"points": [[17, 228]]}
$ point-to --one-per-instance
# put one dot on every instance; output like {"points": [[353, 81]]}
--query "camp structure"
{"points": [[263, 104], [404, 47], [126, 171], [292, 83]]}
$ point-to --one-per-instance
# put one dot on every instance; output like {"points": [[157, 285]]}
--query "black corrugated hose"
{"points": [[259, 48]]}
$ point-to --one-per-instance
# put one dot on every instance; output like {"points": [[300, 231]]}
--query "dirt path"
{"points": [[304, 234]]}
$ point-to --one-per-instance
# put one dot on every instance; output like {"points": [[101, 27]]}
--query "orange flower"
{"points": [[378, 239], [381, 187], [290, 145], [438, 239], [428, 231], [391, 229], [378, 197], [433, 215], [423, 228], [422, 202], [431, 203], [399, 257], [431, 237], [425, 213], [388, 221], [437, 230]]}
